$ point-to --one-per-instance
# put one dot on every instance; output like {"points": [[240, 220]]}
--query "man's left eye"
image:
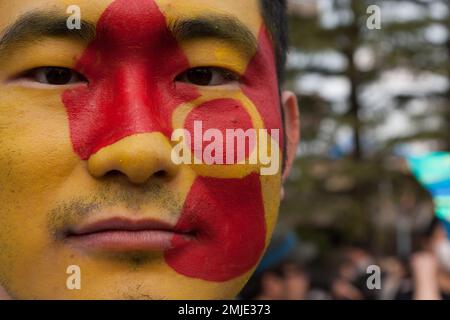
{"points": [[208, 76]]}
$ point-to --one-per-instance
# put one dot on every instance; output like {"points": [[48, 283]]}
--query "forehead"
{"points": [[248, 11]]}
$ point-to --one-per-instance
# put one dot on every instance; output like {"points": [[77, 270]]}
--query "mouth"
{"points": [[126, 235]]}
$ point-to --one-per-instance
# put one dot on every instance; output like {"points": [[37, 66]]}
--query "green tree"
{"points": [[348, 180]]}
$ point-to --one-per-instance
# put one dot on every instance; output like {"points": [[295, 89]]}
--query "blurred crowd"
{"points": [[353, 272]]}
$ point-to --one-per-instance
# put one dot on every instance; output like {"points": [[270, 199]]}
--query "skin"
{"points": [[429, 278], [48, 178]]}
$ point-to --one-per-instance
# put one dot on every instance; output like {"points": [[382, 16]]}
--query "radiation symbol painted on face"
{"points": [[131, 94]]}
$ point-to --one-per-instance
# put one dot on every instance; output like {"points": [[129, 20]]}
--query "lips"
{"points": [[122, 235]]}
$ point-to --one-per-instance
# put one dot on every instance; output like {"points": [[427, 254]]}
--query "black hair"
{"points": [[275, 16]]}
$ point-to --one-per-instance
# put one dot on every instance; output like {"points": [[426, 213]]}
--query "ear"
{"points": [[292, 129]]}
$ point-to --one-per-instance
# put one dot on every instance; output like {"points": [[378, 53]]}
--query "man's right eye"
{"points": [[55, 76]]}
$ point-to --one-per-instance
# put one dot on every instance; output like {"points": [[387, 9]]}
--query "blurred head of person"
{"points": [[286, 280], [280, 275], [350, 280]]}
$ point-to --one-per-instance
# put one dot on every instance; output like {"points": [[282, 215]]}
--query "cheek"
{"points": [[35, 160], [221, 115], [263, 89], [231, 229], [35, 149]]}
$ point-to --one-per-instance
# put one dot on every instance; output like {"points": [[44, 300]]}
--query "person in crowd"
{"points": [[429, 265], [280, 274]]}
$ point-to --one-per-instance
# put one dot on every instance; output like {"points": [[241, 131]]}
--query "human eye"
{"points": [[208, 76], [51, 76]]}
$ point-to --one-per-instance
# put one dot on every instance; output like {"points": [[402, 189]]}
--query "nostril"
{"points": [[114, 173], [160, 174]]}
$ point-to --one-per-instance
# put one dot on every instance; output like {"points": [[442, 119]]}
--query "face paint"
{"points": [[132, 93], [263, 84], [230, 229], [221, 115], [131, 67], [131, 78]]}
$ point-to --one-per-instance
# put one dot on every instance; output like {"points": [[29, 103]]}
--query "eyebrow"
{"points": [[36, 25], [222, 27]]}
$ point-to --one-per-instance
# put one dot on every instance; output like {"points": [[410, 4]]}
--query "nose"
{"points": [[139, 157]]}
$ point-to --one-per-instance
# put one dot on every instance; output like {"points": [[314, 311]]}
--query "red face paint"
{"points": [[228, 217], [228, 214], [262, 85], [131, 67], [221, 114]]}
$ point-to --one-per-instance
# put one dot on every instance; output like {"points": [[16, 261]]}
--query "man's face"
{"points": [[86, 173]]}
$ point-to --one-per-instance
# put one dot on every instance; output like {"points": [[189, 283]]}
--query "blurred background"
{"points": [[369, 96]]}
